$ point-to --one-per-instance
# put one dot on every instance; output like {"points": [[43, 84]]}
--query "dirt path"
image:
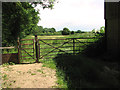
{"points": [[28, 76]]}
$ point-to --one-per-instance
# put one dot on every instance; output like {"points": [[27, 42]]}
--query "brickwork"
{"points": [[13, 57]]}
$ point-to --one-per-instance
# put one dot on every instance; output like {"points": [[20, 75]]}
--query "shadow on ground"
{"points": [[86, 71]]}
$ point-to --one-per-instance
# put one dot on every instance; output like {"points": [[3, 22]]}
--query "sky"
{"points": [[84, 15]]}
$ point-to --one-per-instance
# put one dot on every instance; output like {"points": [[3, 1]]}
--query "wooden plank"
{"points": [[26, 39], [56, 43], [84, 42], [51, 43], [49, 58], [46, 57], [71, 38], [70, 50], [52, 39], [59, 47], [7, 47], [84, 38], [26, 58], [26, 48], [27, 52], [25, 55], [27, 44], [66, 46], [48, 52], [52, 46]]}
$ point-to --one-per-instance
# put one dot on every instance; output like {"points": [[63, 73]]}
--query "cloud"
{"points": [[89, 13]]}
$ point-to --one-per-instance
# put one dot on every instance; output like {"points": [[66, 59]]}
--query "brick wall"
{"points": [[13, 57]]}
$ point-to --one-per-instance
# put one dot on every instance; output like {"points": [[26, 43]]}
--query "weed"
{"points": [[10, 84], [43, 65], [14, 81], [8, 87], [5, 77], [40, 71], [11, 63], [33, 74], [28, 71], [19, 71], [44, 75], [5, 64], [4, 83], [8, 69]]}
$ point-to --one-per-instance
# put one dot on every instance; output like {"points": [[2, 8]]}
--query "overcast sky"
{"points": [[74, 14]]}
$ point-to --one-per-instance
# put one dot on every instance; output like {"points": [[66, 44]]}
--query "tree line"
{"points": [[20, 19], [52, 31]]}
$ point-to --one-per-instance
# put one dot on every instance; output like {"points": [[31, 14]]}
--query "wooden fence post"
{"points": [[18, 46], [39, 49], [73, 46], [36, 48]]}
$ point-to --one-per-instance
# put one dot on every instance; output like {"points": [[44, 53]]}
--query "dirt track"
{"points": [[28, 76]]}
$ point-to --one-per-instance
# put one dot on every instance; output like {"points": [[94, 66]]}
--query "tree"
{"points": [[65, 31], [40, 29], [79, 31], [93, 31], [53, 30], [102, 29], [19, 19], [72, 32]]}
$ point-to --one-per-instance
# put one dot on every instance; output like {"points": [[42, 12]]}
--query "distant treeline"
{"points": [[52, 31]]}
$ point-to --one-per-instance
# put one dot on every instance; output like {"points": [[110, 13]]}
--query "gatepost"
{"points": [[36, 48]]}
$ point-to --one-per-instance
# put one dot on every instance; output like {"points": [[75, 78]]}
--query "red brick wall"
{"points": [[13, 57]]}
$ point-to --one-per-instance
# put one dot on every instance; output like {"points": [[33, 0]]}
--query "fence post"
{"points": [[18, 46], [36, 48], [39, 49], [73, 46]]}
